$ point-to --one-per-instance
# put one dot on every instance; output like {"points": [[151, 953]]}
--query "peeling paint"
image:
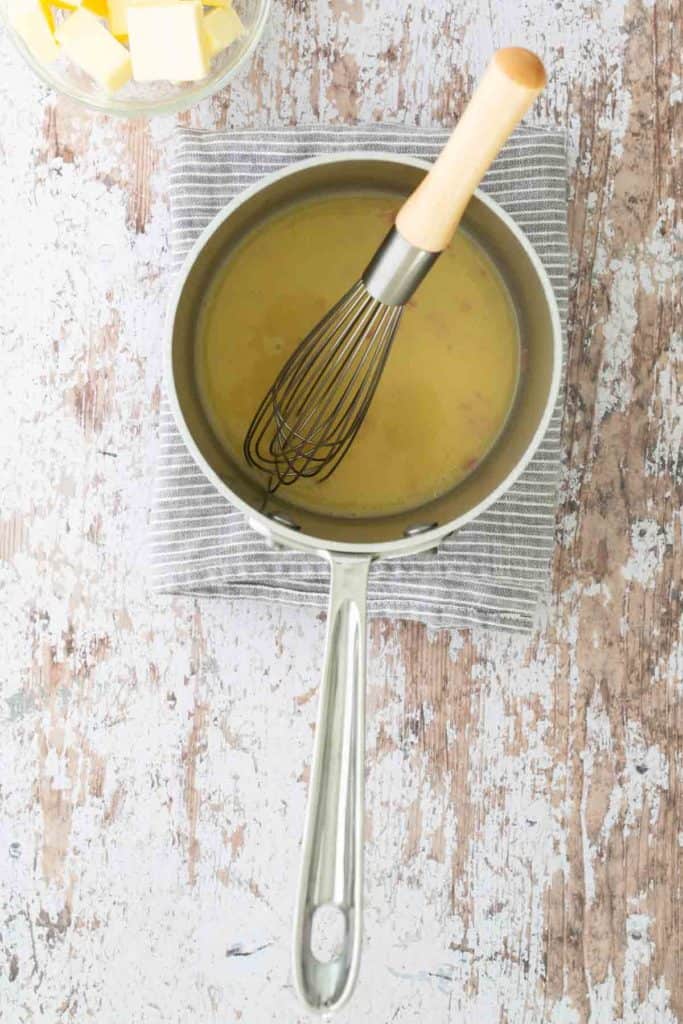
{"points": [[523, 794]]}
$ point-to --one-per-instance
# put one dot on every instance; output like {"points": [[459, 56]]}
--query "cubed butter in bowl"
{"points": [[117, 16], [222, 27], [135, 57], [167, 41], [33, 21], [84, 38]]}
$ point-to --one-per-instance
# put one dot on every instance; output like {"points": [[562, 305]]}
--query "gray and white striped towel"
{"points": [[492, 571]]}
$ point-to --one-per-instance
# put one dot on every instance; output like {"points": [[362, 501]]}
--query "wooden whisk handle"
{"points": [[430, 216]]}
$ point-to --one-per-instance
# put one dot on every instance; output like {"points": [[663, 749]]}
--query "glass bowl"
{"points": [[145, 99]]}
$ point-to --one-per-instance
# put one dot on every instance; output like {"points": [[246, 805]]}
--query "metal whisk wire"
{"points": [[310, 416]]}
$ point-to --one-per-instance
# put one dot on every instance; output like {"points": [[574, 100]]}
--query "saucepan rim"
{"points": [[278, 531]]}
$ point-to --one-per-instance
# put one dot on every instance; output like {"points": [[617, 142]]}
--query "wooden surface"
{"points": [[524, 819]]}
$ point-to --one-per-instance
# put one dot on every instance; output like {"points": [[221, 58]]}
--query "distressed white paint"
{"points": [[146, 942]]}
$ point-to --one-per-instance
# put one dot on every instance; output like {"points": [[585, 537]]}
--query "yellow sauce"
{"points": [[447, 387]]}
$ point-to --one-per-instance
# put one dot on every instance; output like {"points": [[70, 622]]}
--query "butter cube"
{"points": [[167, 41], [221, 28], [98, 7], [117, 15], [90, 45], [32, 20]]}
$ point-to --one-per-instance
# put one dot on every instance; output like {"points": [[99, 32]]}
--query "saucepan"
{"points": [[332, 856]]}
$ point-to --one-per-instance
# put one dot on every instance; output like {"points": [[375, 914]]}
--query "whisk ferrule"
{"points": [[396, 270]]}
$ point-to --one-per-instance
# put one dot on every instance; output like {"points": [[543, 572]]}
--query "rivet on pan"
{"points": [[413, 531], [283, 520]]}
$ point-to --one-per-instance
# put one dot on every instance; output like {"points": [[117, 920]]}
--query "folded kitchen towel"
{"points": [[492, 571]]}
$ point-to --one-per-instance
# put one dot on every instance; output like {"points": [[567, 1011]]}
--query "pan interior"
{"points": [[535, 328], [449, 381]]}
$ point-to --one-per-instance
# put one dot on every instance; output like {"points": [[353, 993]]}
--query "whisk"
{"points": [[309, 418]]}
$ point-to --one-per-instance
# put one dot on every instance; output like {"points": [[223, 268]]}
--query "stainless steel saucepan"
{"points": [[332, 857]]}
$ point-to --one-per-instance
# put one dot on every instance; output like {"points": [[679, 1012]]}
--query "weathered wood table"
{"points": [[524, 794]]}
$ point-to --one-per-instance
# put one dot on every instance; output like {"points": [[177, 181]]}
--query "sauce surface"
{"points": [[449, 382]]}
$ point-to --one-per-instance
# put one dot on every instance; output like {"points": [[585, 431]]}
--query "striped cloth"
{"points": [[493, 570]]}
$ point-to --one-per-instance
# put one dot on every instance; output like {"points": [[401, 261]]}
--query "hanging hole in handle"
{"points": [[328, 932]]}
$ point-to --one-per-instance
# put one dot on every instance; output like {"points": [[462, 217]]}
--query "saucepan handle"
{"points": [[332, 855]]}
